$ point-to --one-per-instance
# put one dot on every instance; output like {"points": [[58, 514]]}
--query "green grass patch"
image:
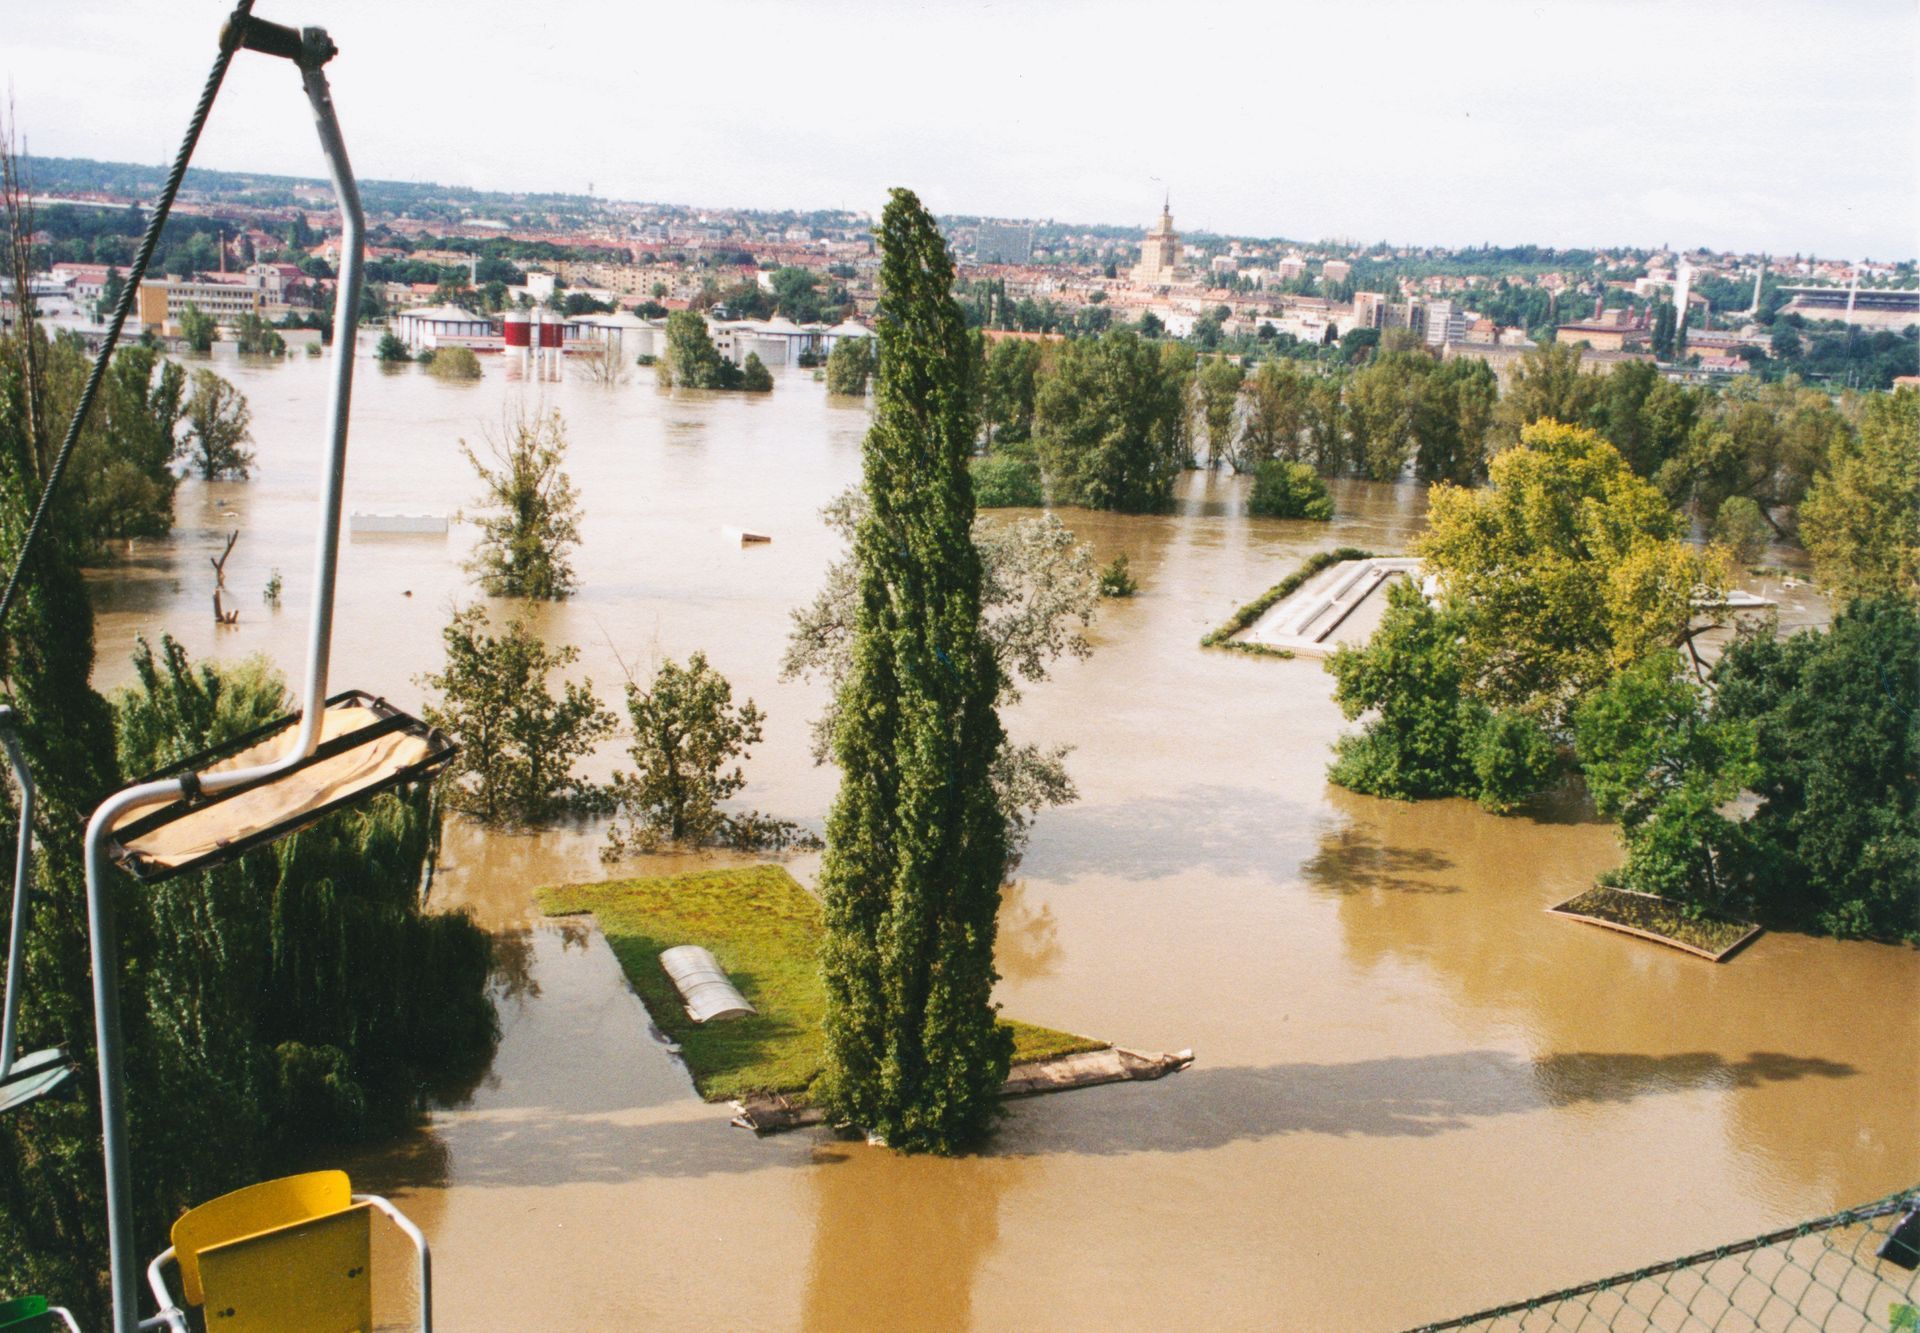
{"points": [[1259, 606], [766, 931]]}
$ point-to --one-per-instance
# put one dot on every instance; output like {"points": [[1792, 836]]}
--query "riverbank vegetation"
{"points": [[769, 934], [1781, 782]]}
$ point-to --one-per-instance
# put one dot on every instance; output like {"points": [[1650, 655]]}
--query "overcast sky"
{"points": [[1789, 126]]}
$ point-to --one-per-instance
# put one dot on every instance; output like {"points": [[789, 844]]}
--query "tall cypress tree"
{"points": [[916, 843]]}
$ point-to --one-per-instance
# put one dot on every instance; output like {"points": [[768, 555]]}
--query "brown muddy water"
{"points": [[1415, 1092]]}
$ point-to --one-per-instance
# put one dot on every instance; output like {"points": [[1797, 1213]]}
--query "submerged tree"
{"points": [[1861, 520], [849, 366], [689, 738], [691, 360], [219, 427], [531, 519], [518, 739], [197, 328], [916, 841], [1038, 592]]}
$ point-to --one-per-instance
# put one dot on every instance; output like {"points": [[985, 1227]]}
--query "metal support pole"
{"points": [[122, 1261], [23, 853], [313, 51], [346, 320]]}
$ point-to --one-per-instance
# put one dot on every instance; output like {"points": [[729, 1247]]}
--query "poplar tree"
{"points": [[916, 841]]}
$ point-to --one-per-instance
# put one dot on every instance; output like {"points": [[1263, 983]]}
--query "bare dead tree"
{"points": [[222, 616]]}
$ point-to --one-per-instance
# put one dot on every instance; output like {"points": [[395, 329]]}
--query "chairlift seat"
{"points": [[32, 1077], [365, 746], [293, 1255]]}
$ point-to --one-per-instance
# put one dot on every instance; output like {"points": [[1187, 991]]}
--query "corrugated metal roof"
{"points": [[703, 984]]}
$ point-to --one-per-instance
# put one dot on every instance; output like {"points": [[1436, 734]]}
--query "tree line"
{"points": [[1558, 631]]}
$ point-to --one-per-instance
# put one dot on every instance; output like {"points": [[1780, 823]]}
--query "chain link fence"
{"points": [[1852, 1271]]}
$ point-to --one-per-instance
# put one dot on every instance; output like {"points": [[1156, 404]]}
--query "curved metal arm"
{"points": [[23, 853], [157, 1283], [113, 1111], [419, 1240]]}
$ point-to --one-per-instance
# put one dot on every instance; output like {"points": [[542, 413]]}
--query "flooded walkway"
{"points": [[1415, 1091]]}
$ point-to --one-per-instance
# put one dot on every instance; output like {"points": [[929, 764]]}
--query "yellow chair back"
{"points": [[266, 1207], [306, 1277]]}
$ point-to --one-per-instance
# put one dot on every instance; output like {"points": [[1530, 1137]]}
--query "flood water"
{"points": [[1415, 1093]]}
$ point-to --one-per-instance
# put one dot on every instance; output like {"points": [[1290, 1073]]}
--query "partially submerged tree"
{"points": [[916, 841], [1289, 490], [452, 363], [1568, 567], [1836, 836], [1110, 420], [754, 375], [1038, 593], [849, 366], [1861, 519], [197, 328], [689, 739], [530, 520], [219, 427], [1219, 383], [1660, 766], [519, 740], [691, 360], [123, 477]]}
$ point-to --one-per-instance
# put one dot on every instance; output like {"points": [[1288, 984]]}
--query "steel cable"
{"points": [[229, 43]]}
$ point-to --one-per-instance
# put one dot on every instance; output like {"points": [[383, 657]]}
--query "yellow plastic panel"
{"points": [[249, 1211], [310, 1277]]}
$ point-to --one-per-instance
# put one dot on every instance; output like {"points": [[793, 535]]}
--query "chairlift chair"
{"points": [[334, 753], [292, 1255]]}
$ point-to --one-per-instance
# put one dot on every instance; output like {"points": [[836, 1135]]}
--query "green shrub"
{"points": [[455, 363], [391, 349], [1513, 758], [1289, 490], [1006, 483], [1116, 580], [754, 375]]}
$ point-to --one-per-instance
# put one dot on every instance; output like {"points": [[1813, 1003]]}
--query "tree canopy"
{"points": [[916, 840]]}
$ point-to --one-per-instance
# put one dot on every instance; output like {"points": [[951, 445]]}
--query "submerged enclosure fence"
{"points": [[1854, 1270]]}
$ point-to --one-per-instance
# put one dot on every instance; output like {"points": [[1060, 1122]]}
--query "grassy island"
{"points": [[766, 931]]}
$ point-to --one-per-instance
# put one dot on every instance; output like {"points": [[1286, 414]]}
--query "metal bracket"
{"points": [[309, 48]]}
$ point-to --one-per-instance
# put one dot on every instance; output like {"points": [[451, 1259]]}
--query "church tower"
{"points": [[1160, 252]]}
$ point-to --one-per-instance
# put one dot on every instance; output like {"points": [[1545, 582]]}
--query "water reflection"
{"points": [[1416, 1096], [1438, 886], [1028, 945], [899, 1243]]}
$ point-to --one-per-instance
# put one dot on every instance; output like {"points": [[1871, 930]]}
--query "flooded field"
{"points": [[1415, 1092]]}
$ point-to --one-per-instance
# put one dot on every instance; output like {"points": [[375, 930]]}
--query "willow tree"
{"points": [[916, 841]]}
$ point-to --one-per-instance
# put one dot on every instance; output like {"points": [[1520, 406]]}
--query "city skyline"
{"points": [[826, 109]]}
